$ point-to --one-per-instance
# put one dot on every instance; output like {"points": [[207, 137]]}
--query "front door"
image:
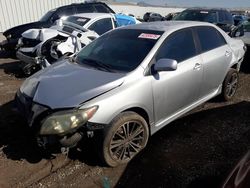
{"points": [[173, 91]]}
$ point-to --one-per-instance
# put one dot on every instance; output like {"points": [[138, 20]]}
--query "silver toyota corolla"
{"points": [[128, 84]]}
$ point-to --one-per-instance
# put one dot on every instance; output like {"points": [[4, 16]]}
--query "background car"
{"points": [[129, 83], [39, 48], [238, 19], [123, 20], [239, 177], [171, 15], [13, 34], [246, 36], [151, 16], [219, 17]]}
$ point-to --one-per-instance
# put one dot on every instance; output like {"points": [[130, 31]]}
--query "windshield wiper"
{"points": [[94, 63]]}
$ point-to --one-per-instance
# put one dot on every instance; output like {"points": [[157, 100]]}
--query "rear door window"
{"points": [[178, 46], [101, 26], [209, 38]]}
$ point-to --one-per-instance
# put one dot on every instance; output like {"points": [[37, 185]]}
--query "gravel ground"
{"points": [[197, 150]]}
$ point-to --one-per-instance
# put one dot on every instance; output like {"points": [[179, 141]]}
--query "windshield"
{"points": [[47, 16], [77, 20], [120, 50], [197, 15]]}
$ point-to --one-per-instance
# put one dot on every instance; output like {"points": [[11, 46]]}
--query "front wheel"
{"points": [[126, 137], [230, 85]]}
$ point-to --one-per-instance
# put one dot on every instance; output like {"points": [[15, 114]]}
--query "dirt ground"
{"points": [[198, 150]]}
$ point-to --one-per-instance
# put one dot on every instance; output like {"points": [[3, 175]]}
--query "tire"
{"points": [[230, 85], [118, 147]]}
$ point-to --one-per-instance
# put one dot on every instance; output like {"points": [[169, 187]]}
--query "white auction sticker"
{"points": [[149, 36]]}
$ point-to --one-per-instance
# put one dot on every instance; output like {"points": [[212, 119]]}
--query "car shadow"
{"points": [[16, 140], [197, 150], [7, 54], [13, 68]]}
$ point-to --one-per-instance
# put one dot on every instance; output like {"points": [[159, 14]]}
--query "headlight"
{"points": [[20, 41], [66, 121]]}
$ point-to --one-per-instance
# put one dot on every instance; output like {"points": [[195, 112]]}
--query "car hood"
{"points": [[67, 85], [18, 30], [42, 34]]}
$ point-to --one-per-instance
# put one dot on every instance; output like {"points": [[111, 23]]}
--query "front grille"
{"points": [[30, 42]]}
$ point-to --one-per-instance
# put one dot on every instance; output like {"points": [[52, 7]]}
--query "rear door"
{"points": [[216, 56]]}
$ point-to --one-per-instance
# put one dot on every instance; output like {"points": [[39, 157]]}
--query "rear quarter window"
{"points": [[209, 38]]}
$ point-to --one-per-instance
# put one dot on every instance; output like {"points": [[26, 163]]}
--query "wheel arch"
{"points": [[142, 112], [235, 66]]}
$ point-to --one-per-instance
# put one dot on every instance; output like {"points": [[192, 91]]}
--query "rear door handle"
{"points": [[197, 66]]}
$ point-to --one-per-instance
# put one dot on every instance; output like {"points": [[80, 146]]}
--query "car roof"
{"points": [[80, 3], [166, 25], [92, 15], [207, 9]]}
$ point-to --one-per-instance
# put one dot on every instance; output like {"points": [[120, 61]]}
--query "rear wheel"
{"points": [[126, 137], [230, 85]]}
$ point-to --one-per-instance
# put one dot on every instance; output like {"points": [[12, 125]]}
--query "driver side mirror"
{"points": [[165, 65]]}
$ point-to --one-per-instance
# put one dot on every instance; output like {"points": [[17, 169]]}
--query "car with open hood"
{"points": [[128, 84], [13, 34], [39, 48]]}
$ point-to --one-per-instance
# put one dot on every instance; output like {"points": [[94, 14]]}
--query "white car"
{"points": [[38, 48]]}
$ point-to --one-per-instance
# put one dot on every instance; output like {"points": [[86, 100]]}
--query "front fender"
{"points": [[136, 93]]}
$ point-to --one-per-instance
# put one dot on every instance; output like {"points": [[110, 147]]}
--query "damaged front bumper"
{"points": [[35, 114], [25, 58]]}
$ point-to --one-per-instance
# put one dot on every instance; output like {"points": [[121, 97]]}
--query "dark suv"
{"points": [[13, 34], [151, 16], [220, 17]]}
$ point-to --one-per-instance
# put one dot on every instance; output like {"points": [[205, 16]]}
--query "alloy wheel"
{"points": [[127, 141]]}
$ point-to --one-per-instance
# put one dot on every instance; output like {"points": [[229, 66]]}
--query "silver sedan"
{"points": [[130, 83]]}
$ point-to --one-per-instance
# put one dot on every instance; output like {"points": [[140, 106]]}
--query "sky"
{"points": [[192, 3]]}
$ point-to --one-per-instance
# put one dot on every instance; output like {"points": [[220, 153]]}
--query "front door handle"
{"points": [[197, 66], [228, 53]]}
